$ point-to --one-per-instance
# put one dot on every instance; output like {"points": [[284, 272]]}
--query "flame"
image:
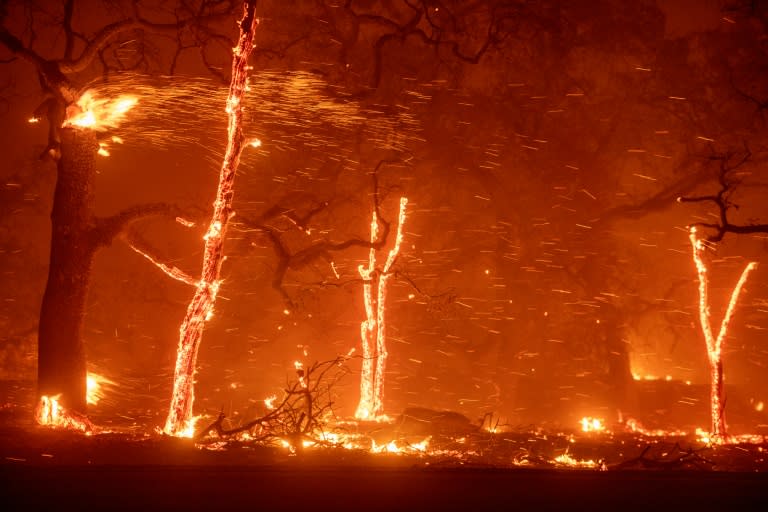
{"points": [[299, 366], [99, 113], [566, 460], [393, 447], [50, 413], [95, 387], [269, 402], [632, 425], [188, 430], [589, 424]]}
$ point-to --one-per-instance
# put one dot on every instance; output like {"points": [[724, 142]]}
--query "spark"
{"points": [[373, 328], [180, 420], [715, 344]]}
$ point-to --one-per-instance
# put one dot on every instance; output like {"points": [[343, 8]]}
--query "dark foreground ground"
{"points": [[292, 487], [136, 470], [43, 469]]}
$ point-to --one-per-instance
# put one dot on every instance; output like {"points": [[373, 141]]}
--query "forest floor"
{"points": [[133, 468]]}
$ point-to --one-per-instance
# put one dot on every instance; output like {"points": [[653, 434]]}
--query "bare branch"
{"points": [[728, 183], [171, 271], [111, 31], [16, 46], [69, 35], [301, 413], [108, 228]]}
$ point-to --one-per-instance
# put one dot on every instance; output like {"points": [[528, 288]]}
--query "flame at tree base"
{"points": [[50, 413]]}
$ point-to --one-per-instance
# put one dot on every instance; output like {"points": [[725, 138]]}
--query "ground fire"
{"points": [[472, 236]]}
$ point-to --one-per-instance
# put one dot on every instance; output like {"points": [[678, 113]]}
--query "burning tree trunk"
{"points": [[61, 354], [372, 330], [180, 421], [715, 345], [76, 233]]}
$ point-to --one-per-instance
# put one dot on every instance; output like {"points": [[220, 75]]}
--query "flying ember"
{"points": [[399, 242]]}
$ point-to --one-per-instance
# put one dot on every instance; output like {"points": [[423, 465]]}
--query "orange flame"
{"points": [[99, 113], [592, 424], [50, 413], [96, 386]]}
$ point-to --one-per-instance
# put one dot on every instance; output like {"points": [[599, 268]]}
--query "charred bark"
{"points": [[61, 352]]}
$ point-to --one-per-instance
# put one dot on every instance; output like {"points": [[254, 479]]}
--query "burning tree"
{"points": [[373, 329], [728, 181], [179, 421], [74, 117], [715, 344]]}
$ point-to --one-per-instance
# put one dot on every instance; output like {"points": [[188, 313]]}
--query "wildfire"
{"points": [[97, 113], [96, 387], [50, 413]]}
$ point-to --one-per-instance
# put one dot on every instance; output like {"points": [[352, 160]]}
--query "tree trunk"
{"points": [[61, 368], [717, 399]]}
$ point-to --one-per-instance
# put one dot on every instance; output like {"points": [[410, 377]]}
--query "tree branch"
{"points": [[728, 183], [134, 241], [111, 31], [108, 228]]}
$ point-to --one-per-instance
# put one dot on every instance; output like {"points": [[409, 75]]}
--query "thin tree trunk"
{"points": [[61, 367], [717, 398], [179, 421]]}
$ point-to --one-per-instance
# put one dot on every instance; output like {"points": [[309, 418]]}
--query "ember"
{"points": [[454, 243]]}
